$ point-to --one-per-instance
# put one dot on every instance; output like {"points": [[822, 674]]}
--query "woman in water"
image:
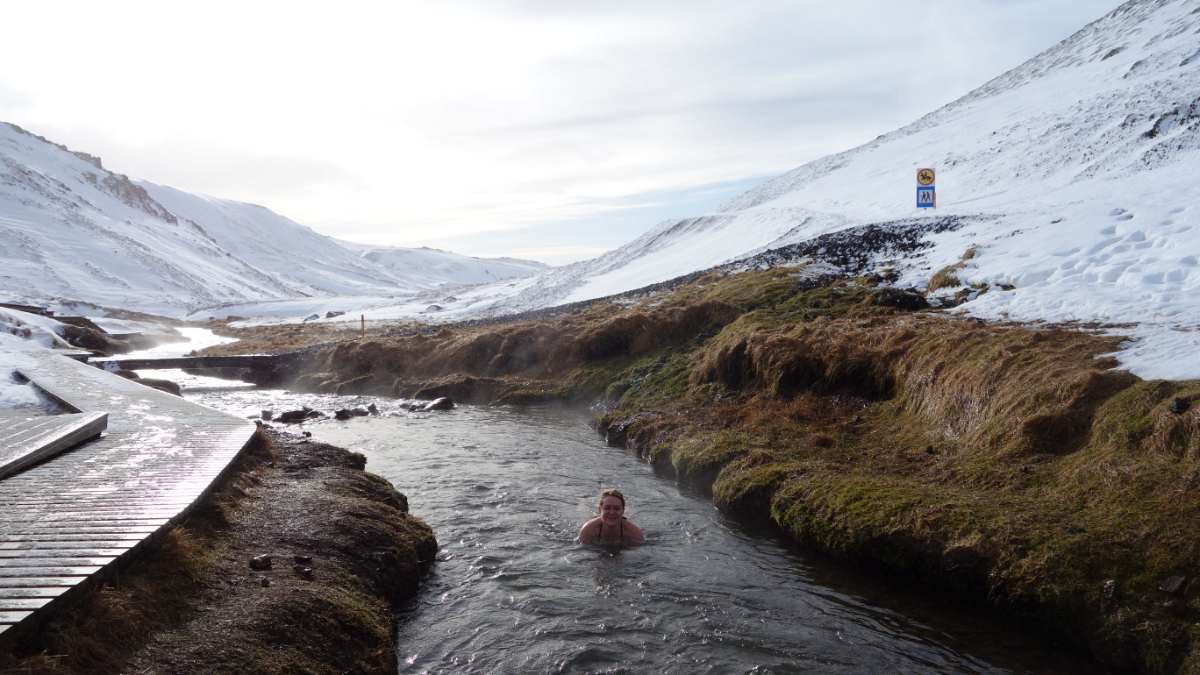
{"points": [[611, 527]]}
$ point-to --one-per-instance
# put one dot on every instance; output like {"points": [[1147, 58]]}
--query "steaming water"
{"points": [[511, 592]]}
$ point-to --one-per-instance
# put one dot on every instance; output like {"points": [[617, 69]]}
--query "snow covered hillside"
{"points": [[1074, 176], [71, 230], [417, 266]]}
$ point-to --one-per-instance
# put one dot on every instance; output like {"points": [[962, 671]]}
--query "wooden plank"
{"points": [[38, 582], [34, 550], [173, 362], [15, 564], [105, 529], [13, 617], [11, 604], [72, 537], [35, 592], [49, 571], [41, 441]]}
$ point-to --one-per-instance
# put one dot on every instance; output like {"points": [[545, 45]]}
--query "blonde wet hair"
{"points": [[611, 492]]}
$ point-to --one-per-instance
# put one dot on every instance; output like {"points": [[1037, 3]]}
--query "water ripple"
{"points": [[511, 592]]}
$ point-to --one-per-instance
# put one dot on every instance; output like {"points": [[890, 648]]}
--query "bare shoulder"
{"points": [[634, 534], [589, 531]]}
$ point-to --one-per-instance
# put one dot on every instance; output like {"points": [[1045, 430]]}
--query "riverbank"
{"points": [[343, 550], [1010, 464]]}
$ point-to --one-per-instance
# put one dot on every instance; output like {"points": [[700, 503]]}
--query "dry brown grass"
{"points": [[1006, 462]]}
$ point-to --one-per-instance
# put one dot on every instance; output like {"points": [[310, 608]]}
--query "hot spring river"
{"points": [[510, 592]]}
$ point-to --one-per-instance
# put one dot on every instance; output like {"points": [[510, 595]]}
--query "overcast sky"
{"points": [[550, 130]]}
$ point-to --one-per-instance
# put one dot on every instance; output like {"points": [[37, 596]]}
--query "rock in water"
{"points": [[440, 403], [161, 385], [293, 416], [260, 562]]}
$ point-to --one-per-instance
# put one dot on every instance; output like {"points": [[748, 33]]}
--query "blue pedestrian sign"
{"points": [[926, 197]]}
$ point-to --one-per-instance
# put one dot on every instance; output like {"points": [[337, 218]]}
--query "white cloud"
{"points": [[407, 121]]}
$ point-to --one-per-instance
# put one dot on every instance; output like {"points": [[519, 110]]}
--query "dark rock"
{"points": [[433, 308], [1173, 584], [129, 374], [440, 403], [617, 434], [294, 416], [265, 582], [308, 434], [1180, 406], [1109, 594], [302, 559], [899, 298], [331, 314], [268, 415], [161, 385], [342, 414], [372, 410], [306, 572], [312, 317], [94, 339], [261, 562]]}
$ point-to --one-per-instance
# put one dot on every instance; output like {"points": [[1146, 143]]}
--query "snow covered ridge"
{"points": [[432, 263], [71, 230], [1076, 175]]}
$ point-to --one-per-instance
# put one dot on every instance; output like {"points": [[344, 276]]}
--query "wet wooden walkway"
{"points": [[152, 363], [74, 517], [25, 441]]}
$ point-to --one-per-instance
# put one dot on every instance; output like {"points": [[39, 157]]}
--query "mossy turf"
{"points": [[1011, 464], [191, 604]]}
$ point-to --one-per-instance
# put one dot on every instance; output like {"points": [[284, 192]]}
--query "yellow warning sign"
{"points": [[925, 176]]}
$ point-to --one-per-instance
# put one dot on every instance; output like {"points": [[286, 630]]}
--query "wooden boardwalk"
{"points": [[159, 362], [29, 440], [73, 518]]}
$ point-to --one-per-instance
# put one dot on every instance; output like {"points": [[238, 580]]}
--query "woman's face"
{"points": [[611, 509]]}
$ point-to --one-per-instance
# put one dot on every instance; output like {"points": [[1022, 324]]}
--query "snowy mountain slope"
{"points": [[1081, 162], [309, 263], [1118, 98], [72, 231], [418, 267]]}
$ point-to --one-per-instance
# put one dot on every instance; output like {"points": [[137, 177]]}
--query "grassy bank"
{"points": [[191, 603], [1010, 464]]}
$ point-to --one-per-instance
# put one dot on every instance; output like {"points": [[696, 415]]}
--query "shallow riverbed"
{"points": [[506, 490]]}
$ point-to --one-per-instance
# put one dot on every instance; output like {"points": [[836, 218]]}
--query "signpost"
{"points": [[926, 190]]}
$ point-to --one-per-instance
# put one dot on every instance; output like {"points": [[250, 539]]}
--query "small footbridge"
{"points": [[252, 361], [73, 510]]}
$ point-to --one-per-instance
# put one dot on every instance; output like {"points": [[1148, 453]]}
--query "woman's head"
{"points": [[612, 505]]}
